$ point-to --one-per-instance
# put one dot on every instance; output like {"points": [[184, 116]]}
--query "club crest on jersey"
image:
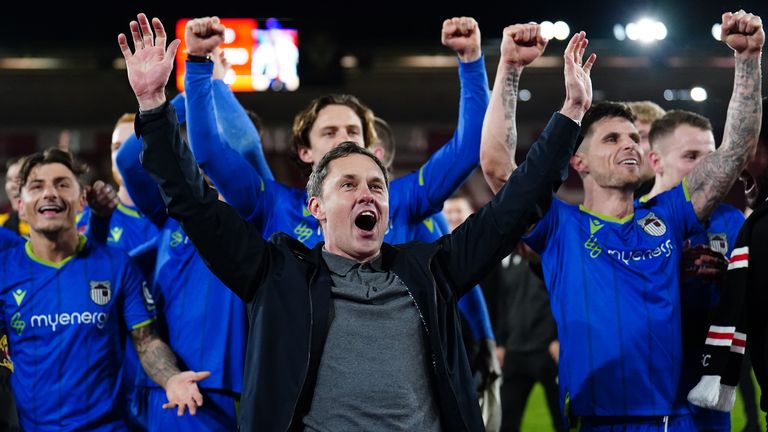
{"points": [[653, 225], [718, 242], [101, 292]]}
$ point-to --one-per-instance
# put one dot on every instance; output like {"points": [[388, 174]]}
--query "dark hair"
{"points": [[304, 121], [674, 118], [316, 179], [603, 110], [51, 156]]}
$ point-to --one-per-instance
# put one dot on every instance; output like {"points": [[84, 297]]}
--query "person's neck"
{"points": [[659, 186], [612, 202], [359, 258], [125, 199], [54, 247]]}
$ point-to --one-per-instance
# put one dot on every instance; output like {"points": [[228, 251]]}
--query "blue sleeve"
{"points": [[682, 217], [450, 166], [142, 189], [236, 180], [238, 130], [9, 239], [138, 305]]}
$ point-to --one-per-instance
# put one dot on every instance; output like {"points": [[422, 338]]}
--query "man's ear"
{"points": [[379, 153], [579, 163], [315, 207], [305, 155], [654, 160]]}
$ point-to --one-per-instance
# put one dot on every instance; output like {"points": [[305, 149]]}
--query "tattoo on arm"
{"points": [[500, 134], [156, 356], [711, 180]]}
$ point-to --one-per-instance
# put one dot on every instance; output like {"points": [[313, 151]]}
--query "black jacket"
{"points": [[287, 286]]}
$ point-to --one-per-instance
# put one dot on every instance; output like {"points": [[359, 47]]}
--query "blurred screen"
{"points": [[259, 58]]}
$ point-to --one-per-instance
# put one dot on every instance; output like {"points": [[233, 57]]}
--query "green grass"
{"points": [[537, 419]]}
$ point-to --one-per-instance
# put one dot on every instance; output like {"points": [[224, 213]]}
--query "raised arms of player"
{"points": [[233, 249], [235, 125], [492, 233], [159, 363], [711, 179], [521, 44], [448, 168], [217, 159], [140, 185]]}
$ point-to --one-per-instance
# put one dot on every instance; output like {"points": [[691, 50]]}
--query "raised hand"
{"points": [[462, 35], [182, 392], [743, 32], [150, 65], [521, 44], [220, 64], [578, 84], [203, 35], [102, 198]]}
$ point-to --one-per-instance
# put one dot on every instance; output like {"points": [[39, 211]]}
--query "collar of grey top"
{"points": [[342, 266]]}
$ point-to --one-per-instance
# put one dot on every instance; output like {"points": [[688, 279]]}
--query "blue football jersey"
{"points": [[128, 229], [67, 324], [615, 295]]}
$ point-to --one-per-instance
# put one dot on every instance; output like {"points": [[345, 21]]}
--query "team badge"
{"points": [[653, 225], [718, 242], [101, 292]]}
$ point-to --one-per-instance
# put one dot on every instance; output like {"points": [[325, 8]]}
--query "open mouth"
{"points": [[48, 210], [629, 161], [366, 220]]}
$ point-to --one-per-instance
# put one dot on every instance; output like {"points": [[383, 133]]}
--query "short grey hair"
{"points": [[316, 179]]}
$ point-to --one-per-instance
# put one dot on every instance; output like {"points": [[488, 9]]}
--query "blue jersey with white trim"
{"points": [[67, 324], [615, 295], [699, 299]]}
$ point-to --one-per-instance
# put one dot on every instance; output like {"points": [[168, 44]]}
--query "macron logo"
{"points": [[75, 318]]}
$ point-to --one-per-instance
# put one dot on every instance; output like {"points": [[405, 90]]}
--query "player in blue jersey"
{"points": [[66, 303], [189, 296], [608, 264], [679, 140], [128, 229]]}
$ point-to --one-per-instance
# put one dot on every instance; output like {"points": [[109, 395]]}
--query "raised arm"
{"points": [[489, 235], [449, 167], [521, 44], [217, 159], [234, 122], [232, 248], [711, 179]]}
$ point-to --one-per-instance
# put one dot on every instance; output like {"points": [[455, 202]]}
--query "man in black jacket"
{"points": [[353, 334]]}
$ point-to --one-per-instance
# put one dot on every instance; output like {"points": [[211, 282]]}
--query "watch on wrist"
{"points": [[199, 58]]}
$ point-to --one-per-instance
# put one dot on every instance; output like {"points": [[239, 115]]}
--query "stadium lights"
{"points": [[696, 94], [558, 30], [645, 30], [524, 95]]}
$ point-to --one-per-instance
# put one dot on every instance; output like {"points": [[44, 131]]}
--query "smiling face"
{"points": [[353, 207], [50, 199], [611, 154]]}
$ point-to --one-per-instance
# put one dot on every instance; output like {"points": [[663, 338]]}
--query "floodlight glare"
{"points": [[547, 29], [716, 30], [561, 30], [698, 94]]}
